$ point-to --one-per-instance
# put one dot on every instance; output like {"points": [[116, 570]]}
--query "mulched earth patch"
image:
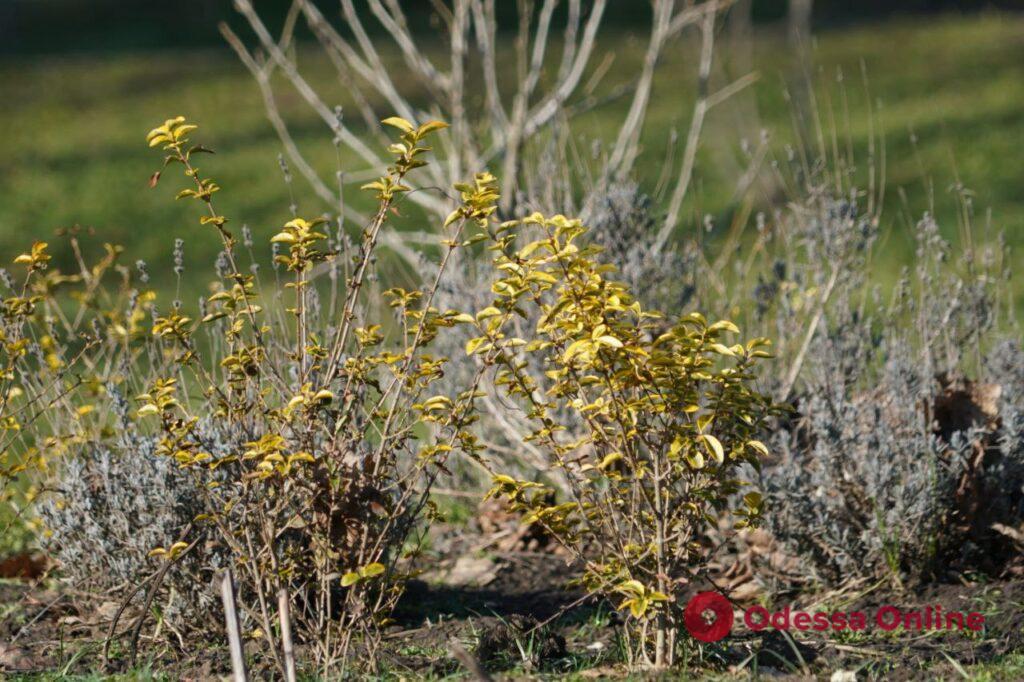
{"points": [[513, 611]]}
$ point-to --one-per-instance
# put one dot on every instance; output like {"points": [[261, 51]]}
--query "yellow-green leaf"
{"points": [[576, 348], [632, 587], [400, 123], [714, 447], [431, 126], [372, 570], [759, 446], [452, 217], [724, 324], [721, 349]]}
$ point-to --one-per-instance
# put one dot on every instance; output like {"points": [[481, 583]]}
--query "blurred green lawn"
{"points": [[72, 145]]}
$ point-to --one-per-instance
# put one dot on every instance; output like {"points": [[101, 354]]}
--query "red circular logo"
{"points": [[708, 616]]}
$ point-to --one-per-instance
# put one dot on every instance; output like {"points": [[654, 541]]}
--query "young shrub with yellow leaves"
{"points": [[663, 414], [312, 434]]}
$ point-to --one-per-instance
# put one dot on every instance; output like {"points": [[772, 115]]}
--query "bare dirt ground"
{"points": [[505, 598]]}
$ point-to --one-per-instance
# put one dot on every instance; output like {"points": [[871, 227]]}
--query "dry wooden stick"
{"points": [[286, 634], [227, 594]]}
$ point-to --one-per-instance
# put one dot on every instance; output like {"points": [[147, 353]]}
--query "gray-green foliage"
{"points": [[907, 415], [113, 504]]}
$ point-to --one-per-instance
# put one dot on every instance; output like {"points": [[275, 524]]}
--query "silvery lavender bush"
{"points": [[1005, 364], [114, 503], [623, 221], [905, 444], [863, 485], [111, 509]]}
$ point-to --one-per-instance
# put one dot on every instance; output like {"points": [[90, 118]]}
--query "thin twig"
{"points": [[798, 361]]}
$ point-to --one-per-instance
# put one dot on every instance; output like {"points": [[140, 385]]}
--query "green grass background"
{"points": [[72, 145]]}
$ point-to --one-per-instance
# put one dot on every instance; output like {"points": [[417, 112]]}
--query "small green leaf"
{"points": [[147, 410], [724, 324], [632, 587], [371, 570], [431, 126], [721, 349], [759, 446], [400, 123], [714, 446], [452, 217]]}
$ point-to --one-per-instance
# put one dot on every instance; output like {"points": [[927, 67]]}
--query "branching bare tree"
{"points": [[539, 91]]}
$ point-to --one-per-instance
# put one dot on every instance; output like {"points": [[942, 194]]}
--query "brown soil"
{"points": [[522, 618]]}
